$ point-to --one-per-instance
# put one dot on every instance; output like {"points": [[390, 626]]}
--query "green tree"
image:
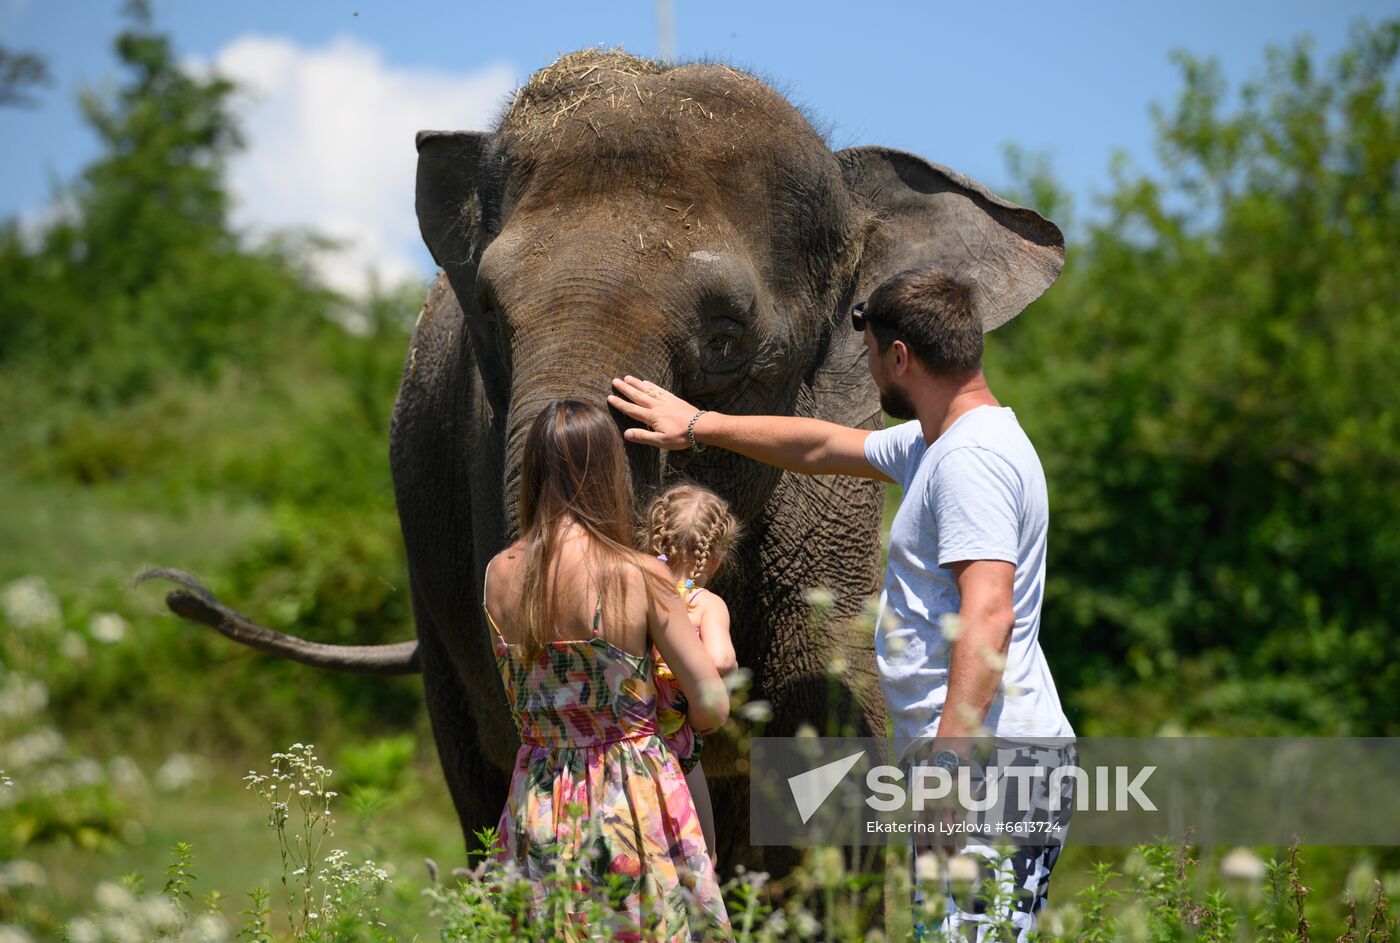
{"points": [[1213, 389], [137, 274], [20, 73], [169, 375]]}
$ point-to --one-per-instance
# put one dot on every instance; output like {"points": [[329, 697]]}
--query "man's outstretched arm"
{"points": [[794, 443]]}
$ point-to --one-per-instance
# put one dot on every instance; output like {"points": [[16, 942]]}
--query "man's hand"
{"points": [[795, 443], [940, 817], [665, 415]]}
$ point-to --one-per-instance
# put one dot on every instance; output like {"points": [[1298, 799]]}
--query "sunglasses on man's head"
{"points": [[859, 319]]}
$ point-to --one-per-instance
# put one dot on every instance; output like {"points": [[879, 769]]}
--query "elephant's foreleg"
{"points": [[478, 788]]}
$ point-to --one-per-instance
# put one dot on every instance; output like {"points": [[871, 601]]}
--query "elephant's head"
{"points": [[687, 224]]}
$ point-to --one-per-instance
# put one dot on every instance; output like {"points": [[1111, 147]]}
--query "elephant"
{"points": [[686, 224]]}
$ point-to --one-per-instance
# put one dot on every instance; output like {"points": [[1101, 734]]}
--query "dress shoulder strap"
{"points": [[489, 618]]}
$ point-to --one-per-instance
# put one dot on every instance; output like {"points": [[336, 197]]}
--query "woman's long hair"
{"points": [[574, 469]]}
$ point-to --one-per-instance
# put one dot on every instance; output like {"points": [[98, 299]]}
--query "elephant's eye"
{"points": [[723, 344], [725, 317]]}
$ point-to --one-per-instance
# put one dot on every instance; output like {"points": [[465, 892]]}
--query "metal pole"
{"points": [[665, 30]]}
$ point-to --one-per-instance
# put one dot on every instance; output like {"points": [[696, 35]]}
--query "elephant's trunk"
{"points": [[564, 364]]}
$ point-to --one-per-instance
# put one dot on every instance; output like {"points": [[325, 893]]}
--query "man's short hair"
{"points": [[933, 313]]}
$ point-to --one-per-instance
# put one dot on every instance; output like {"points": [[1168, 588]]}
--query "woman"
{"points": [[576, 611]]}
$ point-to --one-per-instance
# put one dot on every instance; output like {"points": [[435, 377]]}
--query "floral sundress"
{"points": [[595, 781]]}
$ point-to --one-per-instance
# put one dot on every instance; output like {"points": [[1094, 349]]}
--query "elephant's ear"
{"points": [[926, 215], [449, 203]]}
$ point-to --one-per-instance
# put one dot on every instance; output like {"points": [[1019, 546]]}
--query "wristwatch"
{"points": [[948, 760]]}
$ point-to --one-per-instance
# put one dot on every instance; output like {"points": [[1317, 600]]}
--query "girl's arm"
{"points": [[714, 632], [674, 635]]}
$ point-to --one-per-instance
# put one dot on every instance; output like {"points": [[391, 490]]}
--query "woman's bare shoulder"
{"points": [[510, 558], [504, 570]]}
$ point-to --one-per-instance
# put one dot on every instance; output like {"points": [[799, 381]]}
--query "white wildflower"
{"points": [[160, 912], [807, 925], [963, 869], [950, 624], [927, 868], [73, 647], [28, 604], [22, 873], [806, 730], [122, 929], [34, 747], [85, 771], [757, 712], [819, 598], [180, 770], [828, 865], [1242, 863], [837, 667], [107, 627], [207, 928], [738, 679], [9, 933], [125, 773], [112, 896], [83, 930], [22, 696], [1062, 922]]}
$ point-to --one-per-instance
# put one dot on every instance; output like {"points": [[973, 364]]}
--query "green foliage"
{"points": [[162, 376], [1211, 387], [384, 763], [137, 274], [20, 73], [51, 793]]}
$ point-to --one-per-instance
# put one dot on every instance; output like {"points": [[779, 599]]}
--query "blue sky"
{"points": [[344, 81]]}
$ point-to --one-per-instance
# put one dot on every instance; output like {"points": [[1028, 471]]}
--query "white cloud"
{"points": [[330, 148]]}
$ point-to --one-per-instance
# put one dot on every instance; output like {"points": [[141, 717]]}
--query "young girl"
{"points": [[691, 530], [576, 612]]}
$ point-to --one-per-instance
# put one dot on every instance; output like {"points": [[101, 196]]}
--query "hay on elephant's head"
{"points": [[559, 89]]}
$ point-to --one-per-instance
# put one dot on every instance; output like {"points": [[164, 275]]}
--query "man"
{"points": [[968, 539]]}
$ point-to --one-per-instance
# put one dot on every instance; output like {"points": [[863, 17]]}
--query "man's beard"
{"points": [[895, 403]]}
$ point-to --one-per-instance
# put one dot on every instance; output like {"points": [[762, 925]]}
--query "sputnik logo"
{"points": [[812, 788]]}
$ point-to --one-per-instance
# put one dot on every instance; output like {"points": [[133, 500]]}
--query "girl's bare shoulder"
{"points": [[708, 601]]}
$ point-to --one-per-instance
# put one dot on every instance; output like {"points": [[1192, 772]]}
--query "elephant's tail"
{"points": [[196, 603]]}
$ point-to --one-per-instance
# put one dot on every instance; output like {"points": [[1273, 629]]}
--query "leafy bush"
{"points": [[1211, 389]]}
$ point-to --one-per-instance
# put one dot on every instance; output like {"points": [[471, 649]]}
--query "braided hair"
{"points": [[693, 527]]}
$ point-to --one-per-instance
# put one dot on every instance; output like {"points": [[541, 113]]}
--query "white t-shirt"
{"points": [[976, 493]]}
